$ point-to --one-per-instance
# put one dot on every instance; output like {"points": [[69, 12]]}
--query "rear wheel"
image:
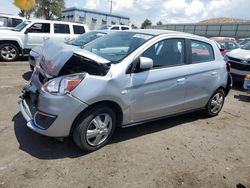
{"points": [[9, 52], [95, 128], [215, 103]]}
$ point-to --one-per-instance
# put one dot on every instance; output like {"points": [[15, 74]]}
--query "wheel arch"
{"points": [[14, 42], [113, 105]]}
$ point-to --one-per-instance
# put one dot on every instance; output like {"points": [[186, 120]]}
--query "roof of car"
{"points": [[56, 21], [161, 32]]}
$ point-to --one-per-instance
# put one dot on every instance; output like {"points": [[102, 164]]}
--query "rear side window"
{"points": [[61, 29], [78, 29], [125, 28], [201, 52]]}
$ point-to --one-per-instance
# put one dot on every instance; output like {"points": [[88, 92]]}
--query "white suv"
{"points": [[28, 34], [116, 27]]}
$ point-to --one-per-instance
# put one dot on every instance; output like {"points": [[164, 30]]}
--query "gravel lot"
{"points": [[184, 151]]}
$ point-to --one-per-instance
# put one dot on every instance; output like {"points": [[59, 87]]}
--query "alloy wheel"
{"points": [[217, 103], [99, 129], [8, 53]]}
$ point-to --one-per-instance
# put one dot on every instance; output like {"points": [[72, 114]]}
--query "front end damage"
{"points": [[52, 114]]}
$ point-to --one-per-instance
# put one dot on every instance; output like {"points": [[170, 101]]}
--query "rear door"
{"points": [[202, 75], [159, 91], [62, 32]]}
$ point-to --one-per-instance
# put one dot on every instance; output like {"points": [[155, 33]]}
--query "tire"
{"points": [[215, 103], [9, 52], [99, 133]]}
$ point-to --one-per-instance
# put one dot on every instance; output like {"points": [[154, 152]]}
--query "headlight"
{"points": [[63, 85]]}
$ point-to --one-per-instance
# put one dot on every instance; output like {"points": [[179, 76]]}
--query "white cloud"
{"points": [[171, 11]]}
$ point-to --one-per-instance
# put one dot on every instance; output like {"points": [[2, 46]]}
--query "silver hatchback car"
{"points": [[122, 79]]}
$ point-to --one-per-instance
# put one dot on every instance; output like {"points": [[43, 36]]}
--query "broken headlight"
{"points": [[63, 85]]}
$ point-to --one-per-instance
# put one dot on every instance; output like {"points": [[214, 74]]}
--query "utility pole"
{"points": [[111, 6]]}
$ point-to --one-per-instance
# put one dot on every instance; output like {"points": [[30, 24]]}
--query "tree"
{"points": [[159, 23], [133, 26], [26, 14], [49, 9], [146, 23]]}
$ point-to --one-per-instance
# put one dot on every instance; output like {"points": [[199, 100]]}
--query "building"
{"points": [[93, 18]]}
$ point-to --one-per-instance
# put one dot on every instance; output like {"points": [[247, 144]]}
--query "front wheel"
{"points": [[8, 52], [215, 103], [95, 128]]}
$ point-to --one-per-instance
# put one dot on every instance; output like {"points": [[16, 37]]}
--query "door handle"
{"points": [[181, 80], [213, 73], [46, 38]]}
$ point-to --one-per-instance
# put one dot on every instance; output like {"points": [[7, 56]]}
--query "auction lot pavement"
{"points": [[184, 151]]}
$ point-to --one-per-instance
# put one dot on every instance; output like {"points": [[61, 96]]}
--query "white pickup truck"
{"points": [[28, 34]]}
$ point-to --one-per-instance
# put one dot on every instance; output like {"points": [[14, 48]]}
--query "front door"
{"points": [[159, 91], [37, 35]]}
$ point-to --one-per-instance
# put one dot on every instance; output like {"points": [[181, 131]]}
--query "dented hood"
{"points": [[55, 55]]}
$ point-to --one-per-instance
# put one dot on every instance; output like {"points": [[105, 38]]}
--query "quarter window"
{"points": [[61, 29], [78, 29], [201, 52], [169, 52], [40, 28]]}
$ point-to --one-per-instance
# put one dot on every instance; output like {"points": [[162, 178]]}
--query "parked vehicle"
{"points": [[116, 27], [240, 62], [29, 34], [122, 79], [226, 43], [8, 21], [80, 41], [247, 83]]}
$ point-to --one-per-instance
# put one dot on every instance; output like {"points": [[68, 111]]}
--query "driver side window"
{"points": [[169, 52], [40, 28]]}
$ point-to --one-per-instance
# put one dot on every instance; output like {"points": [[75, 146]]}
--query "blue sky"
{"points": [[168, 11]]}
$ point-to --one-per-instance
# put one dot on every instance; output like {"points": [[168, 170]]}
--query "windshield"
{"points": [[118, 45], [246, 46], [86, 38], [20, 26]]}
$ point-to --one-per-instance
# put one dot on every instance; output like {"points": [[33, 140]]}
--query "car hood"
{"points": [[240, 54], [55, 55], [7, 31]]}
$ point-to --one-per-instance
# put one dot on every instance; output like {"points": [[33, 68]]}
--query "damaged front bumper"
{"points": [[48, 114]]}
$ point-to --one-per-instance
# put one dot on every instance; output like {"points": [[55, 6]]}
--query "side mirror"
{"points": [[145, 63], [28, 30], [222, 49]]}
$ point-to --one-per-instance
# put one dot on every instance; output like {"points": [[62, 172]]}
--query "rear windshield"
{"points": [[116, 46], [86, 38]]}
